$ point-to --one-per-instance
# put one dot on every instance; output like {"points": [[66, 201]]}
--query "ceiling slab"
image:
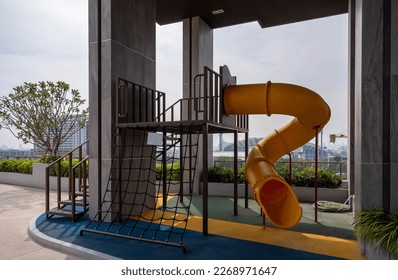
{"points": [[267, 13]]}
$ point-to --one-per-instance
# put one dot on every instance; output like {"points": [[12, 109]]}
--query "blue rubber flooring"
{"points": [[198, 247]]}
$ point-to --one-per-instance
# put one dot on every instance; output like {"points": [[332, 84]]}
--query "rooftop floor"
{"points": [[231, 237]]}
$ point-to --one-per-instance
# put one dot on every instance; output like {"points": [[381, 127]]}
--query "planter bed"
{"points": [[304, 194]]}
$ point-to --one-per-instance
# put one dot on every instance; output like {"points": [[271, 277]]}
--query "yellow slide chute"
{"points": [[310, 111]]}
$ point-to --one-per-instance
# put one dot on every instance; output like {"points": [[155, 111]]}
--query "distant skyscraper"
{"points": [[79, 137], [75, 140]]}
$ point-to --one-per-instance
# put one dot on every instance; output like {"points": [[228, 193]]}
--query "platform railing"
{"points": [[139, 104], [136, 103]]}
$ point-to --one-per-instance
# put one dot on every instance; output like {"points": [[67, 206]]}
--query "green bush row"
{"points": [[306, 177], [172, 172], [222, 174], [303, 178], [25, 166]]}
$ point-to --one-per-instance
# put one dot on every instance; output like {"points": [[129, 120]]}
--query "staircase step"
{"points": [[80, 193], [77, 202], [63, 212]]}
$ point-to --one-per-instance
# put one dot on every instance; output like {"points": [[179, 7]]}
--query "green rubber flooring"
{"points": [[329, 224]]}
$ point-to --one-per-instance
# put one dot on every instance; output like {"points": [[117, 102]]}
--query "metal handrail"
{"points": [[72, 184]]}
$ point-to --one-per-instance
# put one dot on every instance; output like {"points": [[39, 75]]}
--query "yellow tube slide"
{"points": [[272, 192]]}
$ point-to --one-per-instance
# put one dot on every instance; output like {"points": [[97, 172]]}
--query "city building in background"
{"points": [[77, 138], [6, 153]]}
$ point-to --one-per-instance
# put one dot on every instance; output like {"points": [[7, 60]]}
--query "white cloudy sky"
{"points": [[48, 40]]}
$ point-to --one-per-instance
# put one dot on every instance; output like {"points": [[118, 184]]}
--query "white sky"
{"points": [[48, 40]]}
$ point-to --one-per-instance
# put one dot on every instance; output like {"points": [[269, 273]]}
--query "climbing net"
{"points": [[149, 191]]}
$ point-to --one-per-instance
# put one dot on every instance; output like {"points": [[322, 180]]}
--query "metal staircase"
{"points": [[71, 200]]}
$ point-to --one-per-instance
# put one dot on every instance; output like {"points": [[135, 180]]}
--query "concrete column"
{"points": [[375, 120], [121, 44], [351, 99], [394, 107], [197, 53]]}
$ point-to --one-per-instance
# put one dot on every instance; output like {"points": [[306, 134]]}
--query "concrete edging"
{"points": [[62, 246]]}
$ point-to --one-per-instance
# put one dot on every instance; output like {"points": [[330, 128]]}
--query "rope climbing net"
{"points": [[149, 190]]}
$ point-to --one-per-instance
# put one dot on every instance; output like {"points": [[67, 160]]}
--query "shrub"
{"points": [[241, 175], [284, 172], [172, 172], [303, 178], [220, 174], [25, 166], [328, 179], [378, 226], [16, 166]]}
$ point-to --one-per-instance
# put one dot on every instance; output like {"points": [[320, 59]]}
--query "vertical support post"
{"points": [[72, 195], [182, 164], [246, 183], [164, 169], [47, 190], [80, 166], [59, 183], [70, 169], [205, 96], [290, 169], [84, 184], [235, 173], [119, 189], [190, 70], [316, 174], [205, 179], [99, 107]]}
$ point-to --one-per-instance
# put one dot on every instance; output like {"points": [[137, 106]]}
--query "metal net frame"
{"points": [[149, 190]]}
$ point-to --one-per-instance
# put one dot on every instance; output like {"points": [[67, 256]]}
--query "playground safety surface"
{"points": [[230, 237]]}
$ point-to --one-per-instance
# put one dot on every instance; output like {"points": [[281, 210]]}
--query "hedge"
{"points": [[25, 166], [303, 178], [172, 172]]}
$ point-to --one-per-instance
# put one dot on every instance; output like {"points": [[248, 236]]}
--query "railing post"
{"points": [[71, 182], [316, 174], [72, 185], [341, 167], [205, 111], [84, 184], [164, 170], [59, 183], [47, 191], [205, 147], [80, 169]]}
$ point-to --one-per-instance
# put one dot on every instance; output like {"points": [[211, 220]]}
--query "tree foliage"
{"points": [[45, 114]]}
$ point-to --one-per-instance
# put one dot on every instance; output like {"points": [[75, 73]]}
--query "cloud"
{"points": [[43, 27], [48, 40], [313, 54], [169, 61], [42, 40]]}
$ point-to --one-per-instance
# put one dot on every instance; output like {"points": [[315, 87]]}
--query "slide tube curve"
{"points": [[274, 195]]}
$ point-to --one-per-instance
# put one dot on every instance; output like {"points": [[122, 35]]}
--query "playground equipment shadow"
{"points": [[230, 237]]}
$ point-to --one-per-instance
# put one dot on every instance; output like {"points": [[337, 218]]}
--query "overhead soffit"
{"points": [[267, 13]]}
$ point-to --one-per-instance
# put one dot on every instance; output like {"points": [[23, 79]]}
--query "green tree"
{"points": [[45, 114]]}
